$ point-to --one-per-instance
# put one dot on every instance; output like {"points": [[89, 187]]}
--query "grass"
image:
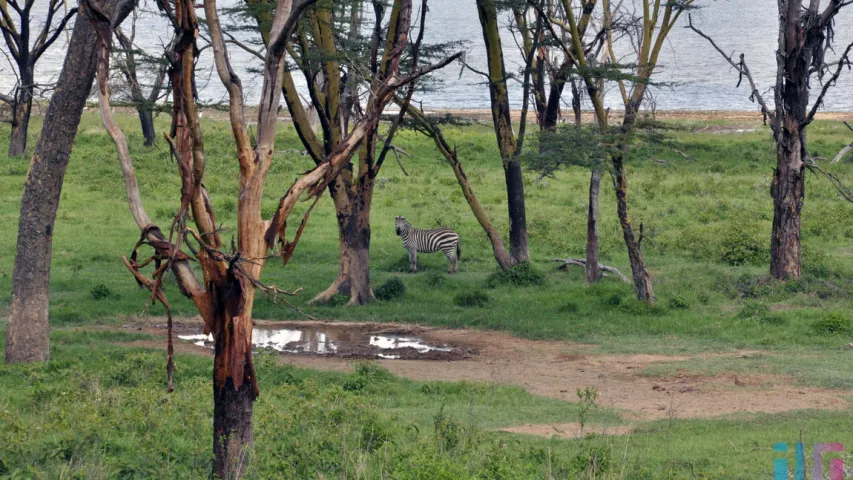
{"points": [[99, 408], [697, 217]]}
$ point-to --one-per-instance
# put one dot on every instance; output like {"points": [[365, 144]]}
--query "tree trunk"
{"points": [[593, 273], [517, 216], [146, 120], [27, 336], [353, 216], [233, 429], [642, 278], [21, 116], [788, 192], [504, 134]]}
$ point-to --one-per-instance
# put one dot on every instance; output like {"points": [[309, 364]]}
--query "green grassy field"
{"points": [[99, 409]]}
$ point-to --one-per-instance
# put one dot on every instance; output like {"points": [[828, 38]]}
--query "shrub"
{"points": [[391, 289], [521, 275], [833, 323], [472, 298], [753, 309], [678, 303], [744, 243], [102, 292]]}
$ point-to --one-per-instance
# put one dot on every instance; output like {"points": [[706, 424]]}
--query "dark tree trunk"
{"points": [[576, 102], [504, 134], [593, 273], [517, 217], [642, 278], [27, 336], [788, 191], [233, 429], [146, 120], [21, 115]]}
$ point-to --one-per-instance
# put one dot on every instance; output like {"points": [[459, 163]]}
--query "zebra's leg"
{"points": [[413, 261], [451, 257]]}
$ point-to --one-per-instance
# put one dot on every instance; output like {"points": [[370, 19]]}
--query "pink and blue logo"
{"points": [[836, 465]]}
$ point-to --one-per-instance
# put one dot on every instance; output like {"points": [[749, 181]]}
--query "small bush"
{"points": [[743, 243], [833, 323], [391, 289], [472, 298], [678, 303], [521, 275], [753, 309], [613, 300], [103, 292]]}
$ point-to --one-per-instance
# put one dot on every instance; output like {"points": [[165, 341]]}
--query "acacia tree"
{"points": [[129, 60], [224, 296], [26, 46], [653, 27], [806, 32], [27, 337], [509, 146], [338, 69]]}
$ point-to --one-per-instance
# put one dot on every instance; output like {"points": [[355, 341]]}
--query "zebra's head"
{"points": [[400, 224]]}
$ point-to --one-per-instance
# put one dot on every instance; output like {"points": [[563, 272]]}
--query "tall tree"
{"points": [[130, 59], [508, 144], [338, 68], [652, 28], [806, 33], [224, 296], [26, 45], [27, 336]]}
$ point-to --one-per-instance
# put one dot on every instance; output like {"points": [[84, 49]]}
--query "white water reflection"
{"points": [[327, 341]]}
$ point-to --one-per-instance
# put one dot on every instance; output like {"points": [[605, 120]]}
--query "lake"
{"points": [[700, 78]]}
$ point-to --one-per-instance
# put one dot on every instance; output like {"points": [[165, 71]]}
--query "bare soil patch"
{"points": [[553, 369]]}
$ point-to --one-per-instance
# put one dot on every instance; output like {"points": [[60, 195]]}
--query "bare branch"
{"points": [[842, 62], [742, 70]]}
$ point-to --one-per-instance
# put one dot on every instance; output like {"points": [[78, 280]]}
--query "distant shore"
{"points": [[485, 115]]}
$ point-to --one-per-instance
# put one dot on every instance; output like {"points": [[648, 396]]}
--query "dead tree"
{"points": [[806, 32], [26, 47], [334, 78], [27, 336], [224, 296]]}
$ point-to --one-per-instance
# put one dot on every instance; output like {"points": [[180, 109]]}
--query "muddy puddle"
{"points": [[343, 341]]}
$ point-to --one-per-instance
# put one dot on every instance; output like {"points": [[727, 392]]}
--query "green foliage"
{"points": [[471, 298], [570, 307], [102, 292], [392, 289], [744, 243], [678, 303], [833, 323], [521, 275]]}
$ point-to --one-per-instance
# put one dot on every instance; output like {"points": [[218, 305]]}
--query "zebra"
{"points": [[428, 241]]}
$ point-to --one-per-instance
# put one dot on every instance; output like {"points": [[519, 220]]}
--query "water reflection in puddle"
{"points": [[331, 341]]}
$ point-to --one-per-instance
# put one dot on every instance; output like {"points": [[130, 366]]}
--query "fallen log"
{"points": [[580, 262]]}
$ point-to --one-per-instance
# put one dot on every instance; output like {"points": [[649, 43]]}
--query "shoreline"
{"points": [[484, 115]]}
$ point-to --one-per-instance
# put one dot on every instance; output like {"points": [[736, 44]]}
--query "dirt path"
{"points": [[547, 368]]}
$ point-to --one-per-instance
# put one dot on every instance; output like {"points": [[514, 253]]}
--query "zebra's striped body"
{"points": [[428, 241]]}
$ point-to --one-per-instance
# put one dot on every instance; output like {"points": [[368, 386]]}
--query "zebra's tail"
{"points": [[458, 249]]}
